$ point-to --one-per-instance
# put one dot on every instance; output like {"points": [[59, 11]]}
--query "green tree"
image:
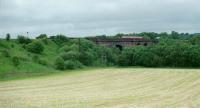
{"points": [[70, 55], [59, 39], [8, 37], [23, 39], [60, 63], [35, 47], [174, 35], [42, 36], [195, 40]]}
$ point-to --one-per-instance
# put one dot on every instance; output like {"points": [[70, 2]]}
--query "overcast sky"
{"points": [[95, 17]]}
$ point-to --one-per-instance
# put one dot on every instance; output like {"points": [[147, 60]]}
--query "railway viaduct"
{"points": [[125, 41]]}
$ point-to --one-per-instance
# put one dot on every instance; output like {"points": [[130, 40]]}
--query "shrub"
{"points": [[71, 55], [85, 45], [35, 47], [73, 64], [195, 40], [65, 48], [16, 60], [59, 63], [36, 59], [122, 61], [59, 39], [42, 36], [106, 55], [23, 40], [87, 58]]}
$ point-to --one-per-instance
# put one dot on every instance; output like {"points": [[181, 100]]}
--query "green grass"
{"points": [[106, 88], [27, 67]]}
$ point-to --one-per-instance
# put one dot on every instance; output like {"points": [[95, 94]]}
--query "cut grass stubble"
{"points": [[106, 88]]}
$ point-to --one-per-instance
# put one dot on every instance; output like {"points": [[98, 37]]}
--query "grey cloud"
{"points": [[94, 17]]}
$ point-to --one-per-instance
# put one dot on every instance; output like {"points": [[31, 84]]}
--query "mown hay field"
{"points": [[106, 88]]}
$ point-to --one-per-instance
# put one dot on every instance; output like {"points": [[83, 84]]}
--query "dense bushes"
{"points": [[60, 63], [38, 60], [70, 55], [107, 56], [35, 47], [42, 36], [76, 55], [195, 40], [23, 39], [59, 39], [81, 52], [65, 53], [87, 58], [177, 54]]}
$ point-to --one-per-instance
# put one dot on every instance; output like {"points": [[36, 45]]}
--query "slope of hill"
{"points": [[28, 65]]}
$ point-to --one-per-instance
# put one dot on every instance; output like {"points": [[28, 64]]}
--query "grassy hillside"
{"points": [[24, 57], [34, 57], [27, 65], [106, 88]]}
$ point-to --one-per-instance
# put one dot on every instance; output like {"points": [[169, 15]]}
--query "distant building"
{"points": [[124, 41]]}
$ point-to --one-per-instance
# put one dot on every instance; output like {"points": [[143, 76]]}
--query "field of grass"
{"points": [[106, 88]]}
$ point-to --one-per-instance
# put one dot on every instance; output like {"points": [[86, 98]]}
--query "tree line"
{"points": [[172, 50]]}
